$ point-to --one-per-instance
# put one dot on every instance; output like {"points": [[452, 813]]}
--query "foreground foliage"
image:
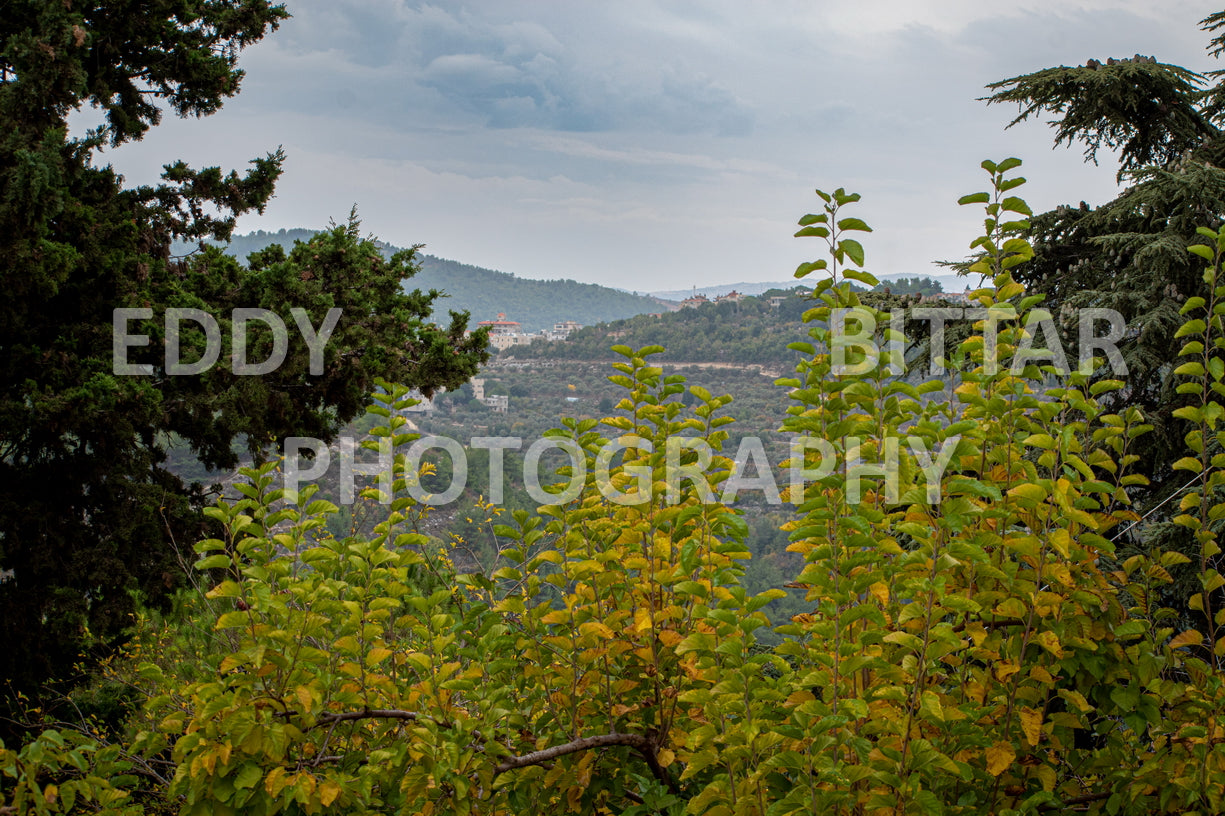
{"points": [[971, 644]]}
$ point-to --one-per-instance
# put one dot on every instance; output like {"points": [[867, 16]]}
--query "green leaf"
{"points": [[973, 487], [1190, 327], [1192, 303], [1189, 464], [1191, 369], [862, 277], [974, 198], [812, 266], [214, 562], [249, 776], [1044, 441], [1191, 413], [234, 619], [853, 224], [853, 249], [1102, 386], [1017, 205]]}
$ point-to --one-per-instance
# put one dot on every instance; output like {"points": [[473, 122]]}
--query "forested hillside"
{"points": [[753, 330], [485, 293]]}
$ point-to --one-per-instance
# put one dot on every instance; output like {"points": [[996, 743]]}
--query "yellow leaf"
{"points": [[596, 628], [930, 706], [999, 757], [305, 698], [1006, 669], [1191, 637], [1077, 698], [556, 616], [1060, 573], [799, 697], [670, 637], [328, 791], [275, 781], [377, 656], [1050, 641], [880, 591], [642, 619], [1061, 540], [1031, 724], [1028, 492]]}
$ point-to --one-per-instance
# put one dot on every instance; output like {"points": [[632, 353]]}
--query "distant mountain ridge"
{"points": [[486, 293], [951, 283], [744, 288]]}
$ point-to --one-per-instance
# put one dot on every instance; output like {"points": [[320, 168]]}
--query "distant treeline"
{"points": [[910, 286]]}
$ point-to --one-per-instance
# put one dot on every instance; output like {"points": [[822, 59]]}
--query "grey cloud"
{"points": [[507, 70], [570, 131]]}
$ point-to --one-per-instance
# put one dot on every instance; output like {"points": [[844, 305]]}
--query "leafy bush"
{"points": [[969, 643]]}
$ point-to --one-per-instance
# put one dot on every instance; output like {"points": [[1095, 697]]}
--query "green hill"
{"points": [[753, 330], [484, 293]]}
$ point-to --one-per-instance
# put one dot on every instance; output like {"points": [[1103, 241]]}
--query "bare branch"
{"points": [[328, 718], [583, 744], [1002, 623], [644, 746]]}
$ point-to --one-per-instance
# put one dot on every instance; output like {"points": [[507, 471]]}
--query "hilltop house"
{"points": [[505, 333]]}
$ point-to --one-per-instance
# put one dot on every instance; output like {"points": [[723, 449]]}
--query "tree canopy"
{"points": [[1130, 254], [89, 519]]}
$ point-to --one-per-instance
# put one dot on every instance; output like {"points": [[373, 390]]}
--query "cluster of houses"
{"points": [[498, 403], [505, 333], [699, 300]]}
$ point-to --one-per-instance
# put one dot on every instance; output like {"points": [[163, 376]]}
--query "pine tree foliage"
{"points": [[88, 517], [1130, 254]]}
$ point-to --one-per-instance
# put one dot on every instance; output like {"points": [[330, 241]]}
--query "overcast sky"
{"points": [[657, 145]]}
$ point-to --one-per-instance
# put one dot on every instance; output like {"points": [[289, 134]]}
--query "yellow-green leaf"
{"points": [[999, 757]]}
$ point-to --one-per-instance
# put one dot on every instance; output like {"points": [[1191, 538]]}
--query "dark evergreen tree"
{"points": [[1130, 254], [89, 517]]}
